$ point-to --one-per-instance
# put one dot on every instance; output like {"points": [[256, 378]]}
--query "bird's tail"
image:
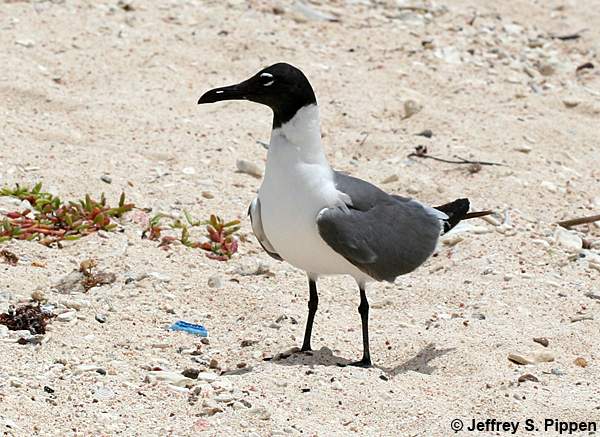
{"points": [[457, 211]]}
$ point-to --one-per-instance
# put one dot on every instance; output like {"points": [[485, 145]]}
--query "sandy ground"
{"points": [[98, 88]]}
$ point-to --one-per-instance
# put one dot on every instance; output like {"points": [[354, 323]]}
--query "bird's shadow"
{"points": [[419, 363], [325, 357]]}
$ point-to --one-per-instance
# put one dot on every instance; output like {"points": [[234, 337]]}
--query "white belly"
{"points": [[290, 202]]}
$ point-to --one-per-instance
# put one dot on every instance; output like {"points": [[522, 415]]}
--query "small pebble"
{"points": [[427, 133], [39, 296], [391, 178], [174, 378], [224, 397], [207, 376], [528, 377], [106, 179], [581, 362], [208, 195], [549, 186], [523, 149], [100, 318], [571, 102], [248, 167], [261, 412], [191, 373], [542, 340], [411, 107], [215, 281], [581, 318], [568, 239], [67, 316], [160, 276], [531, 358]]}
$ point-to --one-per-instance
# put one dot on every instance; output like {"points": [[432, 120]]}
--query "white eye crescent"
{"points": [[267, 76]]}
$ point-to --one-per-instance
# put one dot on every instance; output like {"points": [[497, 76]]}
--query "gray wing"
{"points": [[257, 228], [384, 236]]}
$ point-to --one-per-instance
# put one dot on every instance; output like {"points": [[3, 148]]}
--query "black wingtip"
{"points": [[456, 211]]}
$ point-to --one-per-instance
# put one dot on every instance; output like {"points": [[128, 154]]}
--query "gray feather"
{"points": [[257, 228], [384, 236]]}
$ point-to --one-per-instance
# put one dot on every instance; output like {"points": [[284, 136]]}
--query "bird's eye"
{"points": [[267, 79]]}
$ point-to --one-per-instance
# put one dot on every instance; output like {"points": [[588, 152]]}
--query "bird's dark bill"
{"points": [[232, 92]]}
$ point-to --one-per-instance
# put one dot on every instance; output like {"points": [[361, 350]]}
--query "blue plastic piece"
{"points": [[190, 328]]}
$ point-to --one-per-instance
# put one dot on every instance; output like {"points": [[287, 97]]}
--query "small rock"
{"points": [[581, 362], [214, 363], [67, 316], [246, 343], [207, 376], [210, 408], [15, 382], [310, 13], [260, 412], [451, 239], [591, 295], [571, 102], [224, 397], [411, 107], [174, 378], [100, 318], [208, 195], [581, 317], [106, 179], [390, 179], [549, 186], [83, 368], [160, 276], [531, 358], [71, 283], [523, 149], [427, 133], [248, 167], [25, 43], [238, 406], [542, 340], [557, 372], [478, 316], [191, 373], [546, 69], [215, 281], [286, 354], [210, 411], [528, 377], [337, 385], [39, 296], [567, 239]]}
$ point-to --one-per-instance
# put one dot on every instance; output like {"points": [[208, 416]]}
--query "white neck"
{"points": [[299, 139]]}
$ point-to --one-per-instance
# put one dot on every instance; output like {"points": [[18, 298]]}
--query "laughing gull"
{"points": [[323, 221]]}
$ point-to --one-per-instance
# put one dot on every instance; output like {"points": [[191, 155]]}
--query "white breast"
{"points": [[298, 184]]}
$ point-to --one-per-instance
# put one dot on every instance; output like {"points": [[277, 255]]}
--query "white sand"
{"points": [[89, 89]]}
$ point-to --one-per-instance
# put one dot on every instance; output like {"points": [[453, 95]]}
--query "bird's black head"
{"points": [[282, 87]]}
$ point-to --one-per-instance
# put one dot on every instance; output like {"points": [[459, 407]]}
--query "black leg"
{"points": [[363, 310], [313, 303]]}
